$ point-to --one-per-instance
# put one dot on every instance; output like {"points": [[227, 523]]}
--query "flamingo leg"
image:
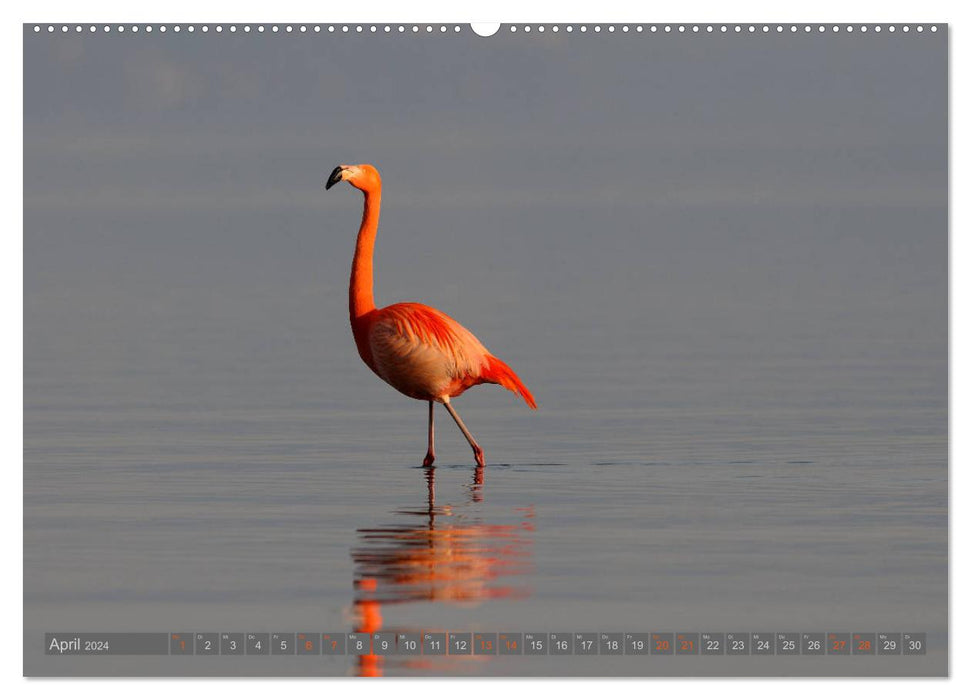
{"points": [[476, 450], [430, 455]]}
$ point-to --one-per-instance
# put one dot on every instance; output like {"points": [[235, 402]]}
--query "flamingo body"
{"points": [[427, 355], [420, 351]]}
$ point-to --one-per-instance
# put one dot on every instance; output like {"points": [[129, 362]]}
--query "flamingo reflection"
{"points": [[441, 553]]}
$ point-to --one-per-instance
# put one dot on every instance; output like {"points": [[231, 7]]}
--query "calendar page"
{"points": [[523, 350]]}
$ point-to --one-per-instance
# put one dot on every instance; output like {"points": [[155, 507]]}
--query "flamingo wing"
{"points": [[424, 353]]}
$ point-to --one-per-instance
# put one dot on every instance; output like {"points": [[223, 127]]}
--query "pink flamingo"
{"points": [[418, 350]]}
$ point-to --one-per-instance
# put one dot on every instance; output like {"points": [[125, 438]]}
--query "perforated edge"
{"points": [[438, 29]]}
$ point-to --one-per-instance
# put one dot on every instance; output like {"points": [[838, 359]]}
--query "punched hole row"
{"points": [[443, 29]]}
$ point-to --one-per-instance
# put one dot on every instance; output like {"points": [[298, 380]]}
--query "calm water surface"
{"points": [[706, 489]]}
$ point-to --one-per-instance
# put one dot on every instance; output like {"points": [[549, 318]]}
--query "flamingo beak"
{"points": [[335, 177]]}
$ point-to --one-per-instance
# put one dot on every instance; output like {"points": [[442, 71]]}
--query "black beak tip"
{"points": [[334, 178]]}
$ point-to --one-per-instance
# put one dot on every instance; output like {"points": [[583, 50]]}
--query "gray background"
{"points": [[719, 262]]}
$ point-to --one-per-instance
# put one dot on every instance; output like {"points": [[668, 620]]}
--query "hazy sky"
{"points": [[548, 191]]}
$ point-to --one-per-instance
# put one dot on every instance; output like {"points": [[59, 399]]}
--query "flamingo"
{"points": [[418, 350]]}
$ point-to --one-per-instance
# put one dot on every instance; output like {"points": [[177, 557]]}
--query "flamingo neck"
{"points": [[362, 269]]}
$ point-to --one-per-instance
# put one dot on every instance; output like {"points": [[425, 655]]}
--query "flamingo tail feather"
{"points": [[498, 372]]}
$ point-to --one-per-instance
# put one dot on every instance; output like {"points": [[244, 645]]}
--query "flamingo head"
{"points": [[364, 177]]}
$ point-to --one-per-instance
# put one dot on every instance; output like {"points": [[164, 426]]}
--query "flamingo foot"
{"points": [[479, 456], [429, 460]]}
